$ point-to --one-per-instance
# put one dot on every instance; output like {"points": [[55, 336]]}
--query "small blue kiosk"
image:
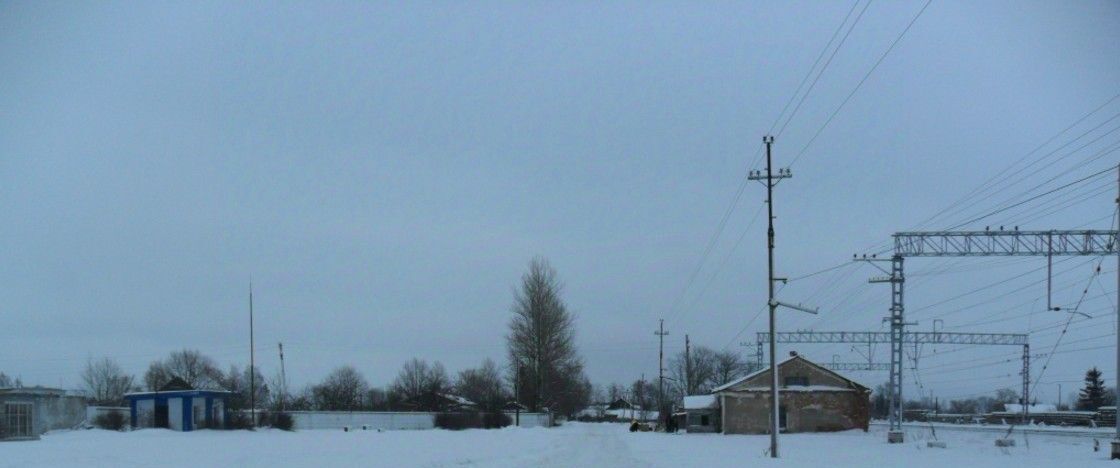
{"points": [[178, 407]]}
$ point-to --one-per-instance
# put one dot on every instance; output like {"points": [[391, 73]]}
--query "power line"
{"points": [[826, 64], [860, 84], [712, 241], [1048, 192], [720, 267], [1000, 177]]}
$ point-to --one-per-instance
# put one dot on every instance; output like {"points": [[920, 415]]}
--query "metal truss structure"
{"points": [[857, 366], [987, 243], [860, 337], [1004, 243]]}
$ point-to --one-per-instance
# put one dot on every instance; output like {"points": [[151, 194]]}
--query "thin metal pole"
{"points": [[687, 367], [774, 414], [1117, 247], [252, 363]]}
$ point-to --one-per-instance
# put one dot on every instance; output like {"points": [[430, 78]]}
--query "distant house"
{"points": [[178, 407], [594, 411], [811, 399], [450, 402], [623, 410], [515, 406], [702, 413], [439, 402], [28, 412]]}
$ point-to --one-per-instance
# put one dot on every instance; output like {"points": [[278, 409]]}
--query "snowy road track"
{"points": [[572, 445]]}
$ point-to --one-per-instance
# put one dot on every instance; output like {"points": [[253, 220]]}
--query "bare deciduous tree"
{"points": [[541, 344], [615, 391], [418, 385], [237, 381], [728, 366], [195, 368], [708, 369], [105, 382], [342, 390], [696, 375], [483, 386]]}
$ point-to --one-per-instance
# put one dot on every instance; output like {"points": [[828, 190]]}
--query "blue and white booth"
{"points": [[178, 407]]}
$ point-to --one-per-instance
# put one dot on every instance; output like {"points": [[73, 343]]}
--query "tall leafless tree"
{"points": [[105, 382], [541, 344]]}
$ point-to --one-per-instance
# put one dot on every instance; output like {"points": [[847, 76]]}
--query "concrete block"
{"points": [[1005, 442], [936, 444], [894, 437]]}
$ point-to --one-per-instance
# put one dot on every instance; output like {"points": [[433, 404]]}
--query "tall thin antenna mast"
{"points": [[252, 362]]}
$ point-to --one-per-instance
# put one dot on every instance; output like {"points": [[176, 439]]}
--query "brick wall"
{"points": [[816, 411]]}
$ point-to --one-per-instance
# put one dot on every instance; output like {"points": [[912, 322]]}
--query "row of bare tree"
{"points": [[545, 370]]}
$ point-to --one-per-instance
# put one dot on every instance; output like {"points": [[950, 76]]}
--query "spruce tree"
{"points": [[1093, 395]]}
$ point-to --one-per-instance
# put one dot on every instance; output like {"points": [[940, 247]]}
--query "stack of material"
{"points": [[1050, 418], [1106, 416]]}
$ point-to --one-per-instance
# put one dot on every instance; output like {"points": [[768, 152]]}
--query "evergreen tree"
{"points": [[1093, 395]]}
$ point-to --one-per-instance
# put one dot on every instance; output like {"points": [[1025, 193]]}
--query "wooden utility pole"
{"points": [[661, 368], [687, 367], [283, 378]]}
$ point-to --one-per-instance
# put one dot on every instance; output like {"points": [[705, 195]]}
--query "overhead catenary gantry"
{"points": [[910, 338], [986, 243]]}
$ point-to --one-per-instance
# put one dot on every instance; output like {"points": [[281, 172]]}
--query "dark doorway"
{"points": [[781, 418], [161, 414]]}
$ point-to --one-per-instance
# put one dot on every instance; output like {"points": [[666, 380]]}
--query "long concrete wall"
{"points": [[355, 420], [388, 420]]}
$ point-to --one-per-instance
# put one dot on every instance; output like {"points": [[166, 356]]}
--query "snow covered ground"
{"points": [[574, 444]]}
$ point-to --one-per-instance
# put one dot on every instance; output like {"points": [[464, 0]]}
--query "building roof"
{"points": [[750, 376], [40, 391], [177, 393], [457, 399], [853, 385], [699, 401], [620, 403]]}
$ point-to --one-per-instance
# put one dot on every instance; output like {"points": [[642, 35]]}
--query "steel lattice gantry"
{"points": [[860, 337], [857, 366], [1004, 243], [985, 243], [911, 338]]}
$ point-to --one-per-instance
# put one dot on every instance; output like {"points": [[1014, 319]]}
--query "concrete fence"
{"points": [[353, 419], [389, 420], [92, 412]]}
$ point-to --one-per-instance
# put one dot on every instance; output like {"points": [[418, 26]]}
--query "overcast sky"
{"points": [[385, 172]]}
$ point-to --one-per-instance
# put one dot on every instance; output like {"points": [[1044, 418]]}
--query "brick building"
{"points": [[811, 399]]}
